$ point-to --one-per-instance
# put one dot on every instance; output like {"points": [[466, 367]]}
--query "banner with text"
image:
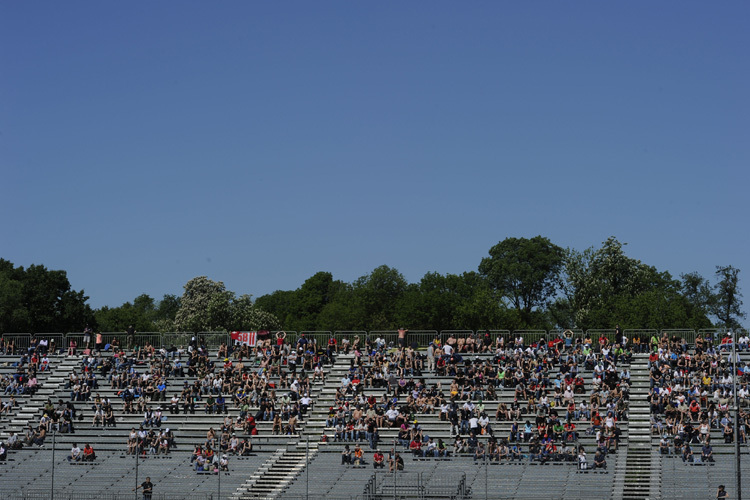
{"points": [[247, 338]]}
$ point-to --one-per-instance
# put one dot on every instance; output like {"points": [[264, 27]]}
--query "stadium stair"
{"points": [[638, 479], [30, 412], [270, 480]]}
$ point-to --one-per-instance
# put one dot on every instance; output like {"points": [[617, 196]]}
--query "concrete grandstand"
{"points": [[464, 414]]}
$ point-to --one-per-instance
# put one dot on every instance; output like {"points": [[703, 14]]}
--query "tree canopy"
{"points": [[37, 299], [523, 283], [526, 272]]}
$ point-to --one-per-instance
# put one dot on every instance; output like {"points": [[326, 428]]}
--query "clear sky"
{"points": [[145, 143]]}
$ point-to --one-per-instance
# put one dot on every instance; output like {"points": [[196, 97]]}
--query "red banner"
{"points": [[247, 338]]}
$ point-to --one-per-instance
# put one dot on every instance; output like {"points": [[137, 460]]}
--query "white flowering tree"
{"points": [[207, 305]]}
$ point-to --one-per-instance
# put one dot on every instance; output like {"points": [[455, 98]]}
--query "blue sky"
{"points": [[145, 143]]}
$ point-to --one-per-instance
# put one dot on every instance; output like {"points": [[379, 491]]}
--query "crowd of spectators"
{"points": [[691, 393], [546, 392], [555, 383]]}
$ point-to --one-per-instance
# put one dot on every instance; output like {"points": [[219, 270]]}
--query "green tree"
{"points": [[37, 299], [604, 287], [526, 272], [697, 290], [166, 312], [280, 304], [375, 298], [14, 317], [301, 309], [244, 315], [726, 301], [139, 313]]}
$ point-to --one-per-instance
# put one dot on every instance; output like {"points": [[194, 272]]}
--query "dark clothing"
{"points": [[148, 488]]}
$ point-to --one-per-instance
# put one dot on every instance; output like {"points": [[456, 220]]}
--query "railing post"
{"points": [[52, 487]]}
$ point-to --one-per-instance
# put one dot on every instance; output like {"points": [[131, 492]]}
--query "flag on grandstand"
{"points": [[247, 338]]}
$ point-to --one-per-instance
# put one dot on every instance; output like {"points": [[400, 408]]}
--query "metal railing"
{"points": [[423, 338], [99, 495], [682, 333], [530, 337], [597, 333]]}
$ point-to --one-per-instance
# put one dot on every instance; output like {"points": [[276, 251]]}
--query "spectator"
{"points": [[148, 488], [664, 445], [599, 460], [346, 456], [687, 453], [396, 463], [359, 456], [378, 460], [75, 454], [88, 453]]}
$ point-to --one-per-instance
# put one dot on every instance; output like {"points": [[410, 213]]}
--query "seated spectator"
{"points": [[346, 456], [431, 450], [687, 453], [378, 460], [13, 442], [359, 456], [567, 454], [75, 454], [88, 453], [224, 463], [479, 452], [38, 436], [664, 445], [3, 452], [163, 445], [599, 461], [246, 447], [396, 463], [200, 463], [707, 452], [582, 461], [416, 447]]}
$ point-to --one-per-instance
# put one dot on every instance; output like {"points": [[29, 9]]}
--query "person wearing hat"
{"points": [[224, 463]]}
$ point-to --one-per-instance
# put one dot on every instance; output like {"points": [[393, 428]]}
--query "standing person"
{"points": [[148, 488], [99, 342], [87, 336], [619, 337], [402, 337], [131, 336], [721, 493]]}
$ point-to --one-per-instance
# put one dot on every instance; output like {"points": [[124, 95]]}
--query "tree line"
{"points": [[523, 283]]}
